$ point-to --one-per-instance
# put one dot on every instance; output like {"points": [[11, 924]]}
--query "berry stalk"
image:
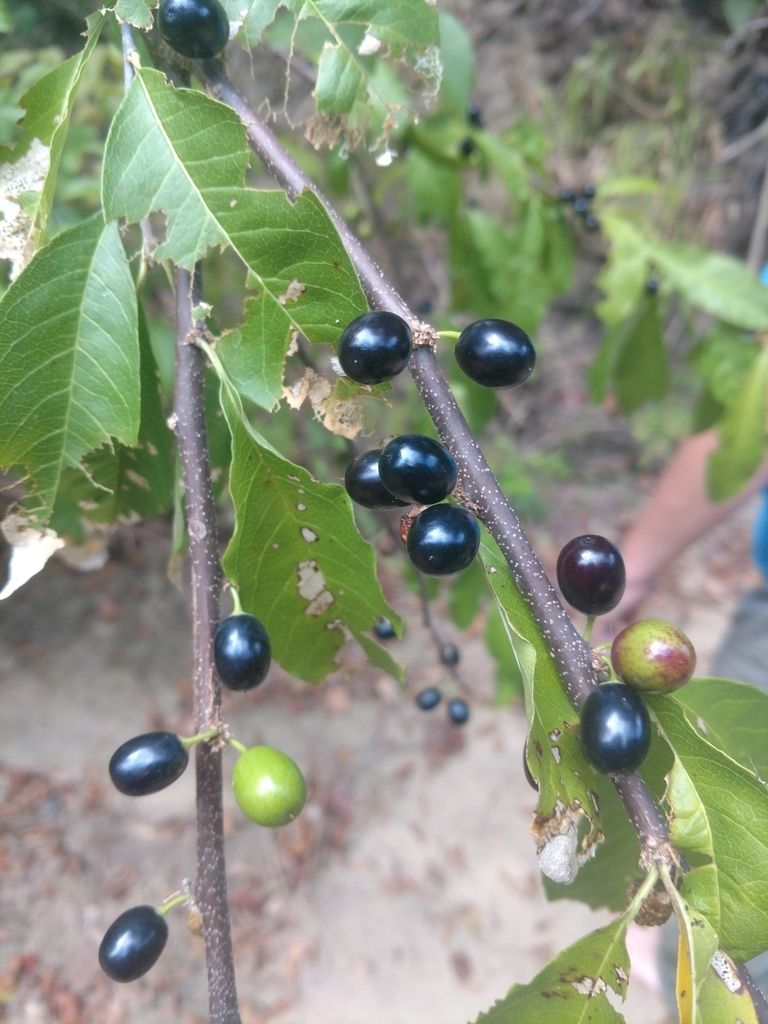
{"points": [[191, 436]]}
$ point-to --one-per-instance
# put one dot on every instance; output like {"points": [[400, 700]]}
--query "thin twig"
{"points": [[745, 142], [211, 886], [478, 486]]}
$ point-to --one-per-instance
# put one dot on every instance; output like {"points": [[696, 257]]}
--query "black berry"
{"points": [[467, 147], [458, 711], [589, 192], [148, 763], [495, 353], [567, 195], [652, 285], [615, 729], [241, 652], [581, 204], [449, 654], [375, 347], [429, 698], [443, 539], [384, 630], [364, 485], [475, 115], [194, 28], [133, 943], [591, 223], [417, 469], [590, 573]]}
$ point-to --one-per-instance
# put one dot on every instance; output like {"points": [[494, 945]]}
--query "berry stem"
{"points": [[171, 902], [201, 737], [454, 335], [211, 885], [237, 607], [588, 627], [240, 747], [480, 491]]}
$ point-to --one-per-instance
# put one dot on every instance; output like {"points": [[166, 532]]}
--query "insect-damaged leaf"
{"points": [[567, 824], [296, 556]]}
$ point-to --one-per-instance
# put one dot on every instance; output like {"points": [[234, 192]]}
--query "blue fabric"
{"points": [[760, 536]]}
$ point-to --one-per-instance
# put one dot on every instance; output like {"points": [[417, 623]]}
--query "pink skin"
{"points": [[653, 656]]}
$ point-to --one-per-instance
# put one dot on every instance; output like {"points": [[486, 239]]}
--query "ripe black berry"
{"points": [[589, 192], [652, 285], [384, 629], [467, 147], [429, 698], [590, 573], [495, 353], [458, 711], [443, 539], [133, 943], [591, 223], [375, 347], [241, 652], [194, 28], [148, 763], [567, 195], [364, 485], [615, 729], [449, 654], [581, 204], [475, 115], [417, 469]]}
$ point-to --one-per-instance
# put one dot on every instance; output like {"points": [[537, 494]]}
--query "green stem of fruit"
{"points": [[240, 747], [201, 737], [174, 901], [237, 607], [454, 335], [645, 889], [588, 627]]}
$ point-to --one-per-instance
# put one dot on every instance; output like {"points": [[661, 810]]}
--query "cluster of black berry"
{"points": [[647, 657], [582, 205], [268, 786]]}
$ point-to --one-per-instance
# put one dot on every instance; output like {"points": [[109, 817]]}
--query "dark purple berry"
{"points": [[194, 28], [384, 630], [375, 347], [417, 469], [591, 575], [146, 764], [567, 195], [495, 353], [429, 698], [364, 485], [449, 654], [581, 205], [458, 711], [652, 285], [589, 192], [467, 147], [475, 115], [615, 729], [591, 223], [241, 652], [133, 943], [442, 540]]}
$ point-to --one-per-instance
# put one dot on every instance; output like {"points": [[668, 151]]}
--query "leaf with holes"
{"points": [[178, 151], [69, 358]]}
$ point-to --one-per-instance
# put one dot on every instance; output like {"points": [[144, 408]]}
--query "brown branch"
{"points": [[478, 487], [211, 885]]}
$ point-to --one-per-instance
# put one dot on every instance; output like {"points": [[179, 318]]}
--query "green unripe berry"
{"points": [[269, 786], [653, 656]]}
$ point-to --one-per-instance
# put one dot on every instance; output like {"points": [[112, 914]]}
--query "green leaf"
{"points": [[458, 60], [28, 172], [176, 150], [719, 811], [626, 270], [69, 357], [733, 717], [5, 18], [296, 556], [743, 435], [255, 15], [641, 367], [135, 12], [723, 358], [508, 678], [465, 595], [572, 988], [568, 803], [380, 657], [718, 1004], [698, 943], [340, 81]]}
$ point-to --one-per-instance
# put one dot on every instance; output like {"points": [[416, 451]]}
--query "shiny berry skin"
{"points": [[653, 656], [194, 28], [495, 353], [133, 943], [591, 574], [148, 763], [364, 485], [615, 729], [269, 786], [458, 711], [429, 698], [443, 539], [384, 630], [417, 469], [449, 654], [241, 652], [375, 347]]}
